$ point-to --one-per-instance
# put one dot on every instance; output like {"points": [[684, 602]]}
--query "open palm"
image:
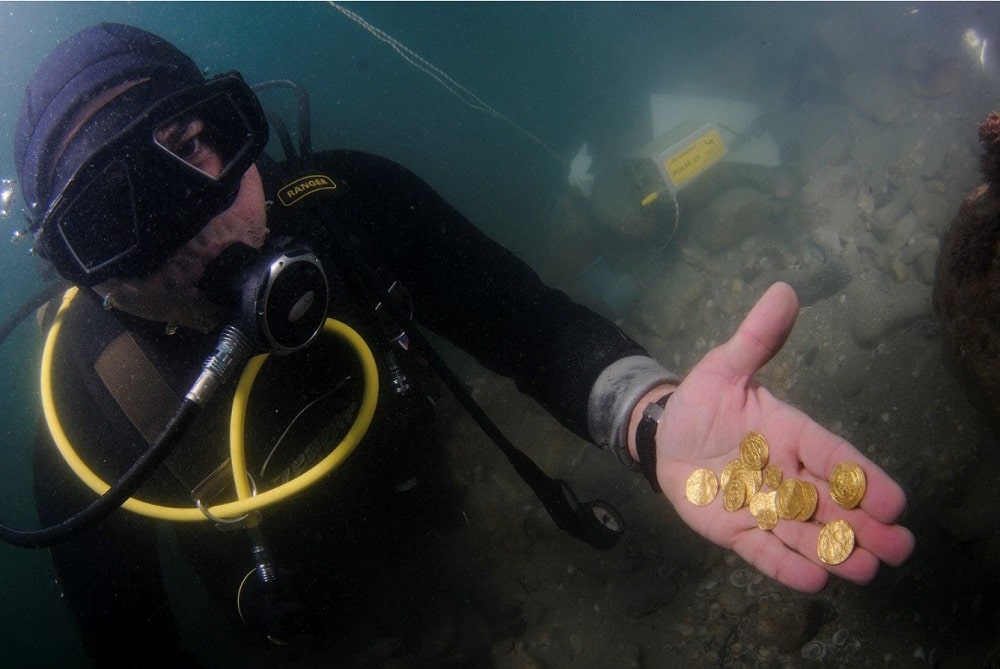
{"points": [[717, 404]]}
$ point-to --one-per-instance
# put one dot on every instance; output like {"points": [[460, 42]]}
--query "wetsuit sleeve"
{"points": [[474, 292]]}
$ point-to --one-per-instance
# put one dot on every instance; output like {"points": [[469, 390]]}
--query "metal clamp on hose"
{"points": [[233, 350]]}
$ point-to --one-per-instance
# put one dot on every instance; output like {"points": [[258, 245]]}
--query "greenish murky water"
{"points": [[872, 112]]}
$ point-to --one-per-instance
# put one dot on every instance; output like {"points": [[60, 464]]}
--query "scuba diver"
{"points": [[191, 249]]}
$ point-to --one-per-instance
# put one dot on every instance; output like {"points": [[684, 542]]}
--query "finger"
{"points": [[763, 332], [810, 454], [789, 552], [892, 544], [872, 521], [820, 451], [860, 566], [887, 541], [762, 549], [772, 557]]}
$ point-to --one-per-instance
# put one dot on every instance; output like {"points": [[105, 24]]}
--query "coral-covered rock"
{"points": [[989, 137], [967, 283]]}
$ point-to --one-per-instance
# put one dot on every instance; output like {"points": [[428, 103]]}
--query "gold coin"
{"points": [[731, 468], [836, 542], [847, 484], [751, 479], [810, 497], [767, 519], [734, 495], [702, 487], [789, 500], [761, 501], [772, 476], [753, 451]]}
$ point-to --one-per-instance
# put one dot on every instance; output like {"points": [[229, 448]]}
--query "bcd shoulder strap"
{"points": [[138, 395]]}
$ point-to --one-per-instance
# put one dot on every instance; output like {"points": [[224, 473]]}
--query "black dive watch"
{"points": [[645, 439]]}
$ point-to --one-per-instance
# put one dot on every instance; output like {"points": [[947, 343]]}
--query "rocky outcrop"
{"points": [[967, 283]]}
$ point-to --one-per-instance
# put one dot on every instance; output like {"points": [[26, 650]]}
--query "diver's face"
{"points": [[137, 179], [171, 293], [245, 220]]}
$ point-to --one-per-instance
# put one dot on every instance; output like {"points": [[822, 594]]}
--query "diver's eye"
{"points": [[189, 149], [187, 140]]}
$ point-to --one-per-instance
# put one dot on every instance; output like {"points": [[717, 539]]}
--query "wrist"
{"points": [[649, 398], [614, 395]]}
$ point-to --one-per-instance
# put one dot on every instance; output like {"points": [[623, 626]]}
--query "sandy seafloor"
{"points": [[874, 108]]}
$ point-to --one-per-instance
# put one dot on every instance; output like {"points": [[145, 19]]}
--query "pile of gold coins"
{"points": [[742, 482]]}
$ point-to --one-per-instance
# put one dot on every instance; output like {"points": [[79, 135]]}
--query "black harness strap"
{"points": [[121, 366], [148, 401]]}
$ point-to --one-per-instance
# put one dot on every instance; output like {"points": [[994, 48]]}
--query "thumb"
{"points": [[763, 332]]}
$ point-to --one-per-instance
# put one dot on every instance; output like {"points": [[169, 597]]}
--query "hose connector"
{"points": [[233, 349]]}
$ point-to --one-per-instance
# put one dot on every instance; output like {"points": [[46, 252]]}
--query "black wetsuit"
{"points": [[461, 285]]}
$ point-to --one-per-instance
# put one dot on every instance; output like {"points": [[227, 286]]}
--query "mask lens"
{"points": [[210, 136], [99, 225]]}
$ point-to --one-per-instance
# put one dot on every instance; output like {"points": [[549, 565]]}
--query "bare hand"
{"points": [[703, 423]]}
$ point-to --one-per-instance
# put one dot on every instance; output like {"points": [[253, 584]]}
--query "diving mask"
{"points": [[155, 184]]}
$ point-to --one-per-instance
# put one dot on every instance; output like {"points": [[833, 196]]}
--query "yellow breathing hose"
{"points": [[246, 501]]}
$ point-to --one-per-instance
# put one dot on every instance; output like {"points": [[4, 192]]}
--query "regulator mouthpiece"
{"points": [[280, 294]]}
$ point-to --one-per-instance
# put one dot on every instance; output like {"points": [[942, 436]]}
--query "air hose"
{"points": [[229, 350]]}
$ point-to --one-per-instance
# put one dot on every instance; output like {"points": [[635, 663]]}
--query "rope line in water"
{"points": [[466, 96]]}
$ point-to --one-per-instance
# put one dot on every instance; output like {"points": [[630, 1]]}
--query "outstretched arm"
{"points": [[702, 426]]}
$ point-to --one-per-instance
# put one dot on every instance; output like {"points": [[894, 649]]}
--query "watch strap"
{"points": [[645, 439]]}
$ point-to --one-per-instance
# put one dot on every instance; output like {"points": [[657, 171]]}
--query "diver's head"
{"points": [[124, 151]]}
